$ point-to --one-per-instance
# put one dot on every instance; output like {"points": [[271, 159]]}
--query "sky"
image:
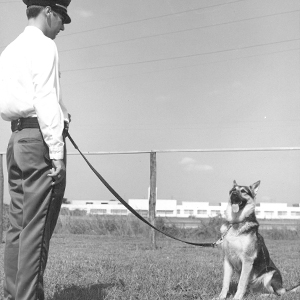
{"points": [[144, 75]]}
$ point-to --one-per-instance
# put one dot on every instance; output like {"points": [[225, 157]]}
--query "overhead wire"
{"points": [[174, 32], [183, 67], [180, 31], [181, 56], [136, 21], [151, 18]]}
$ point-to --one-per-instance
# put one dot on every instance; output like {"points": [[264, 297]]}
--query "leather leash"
{"points": [[128, 206]]}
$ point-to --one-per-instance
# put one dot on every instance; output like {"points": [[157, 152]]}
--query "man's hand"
{"points": [[58, 172]]}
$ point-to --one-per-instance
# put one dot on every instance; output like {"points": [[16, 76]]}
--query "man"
{"points": [[30, 98]]}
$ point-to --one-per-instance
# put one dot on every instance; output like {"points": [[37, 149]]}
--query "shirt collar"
{"points": [[33, 29]]}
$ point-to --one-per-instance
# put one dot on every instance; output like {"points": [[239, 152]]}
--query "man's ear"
{"points": [[48, 11]]}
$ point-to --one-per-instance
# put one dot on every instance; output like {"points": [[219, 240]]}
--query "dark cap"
{"points": [[59, 6]]}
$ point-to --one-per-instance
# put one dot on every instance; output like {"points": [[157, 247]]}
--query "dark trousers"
{"points": [[34, 210]]}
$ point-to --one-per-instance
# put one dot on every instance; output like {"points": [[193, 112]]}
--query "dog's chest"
{"points": [[238, 246]]}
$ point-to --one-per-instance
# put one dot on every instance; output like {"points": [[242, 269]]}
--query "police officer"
{"points": [[30, 98]]}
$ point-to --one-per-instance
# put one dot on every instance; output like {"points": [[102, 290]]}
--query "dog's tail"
{"points": [[296, 288], [293, 289]]}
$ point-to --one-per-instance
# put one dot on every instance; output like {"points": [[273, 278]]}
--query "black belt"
{"points": [[22, 123]]}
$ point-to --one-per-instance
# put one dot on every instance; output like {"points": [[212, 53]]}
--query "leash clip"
{"points": [[219, 241]]}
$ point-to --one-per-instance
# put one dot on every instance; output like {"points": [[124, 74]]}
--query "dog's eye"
{"points": [[245, 191]]}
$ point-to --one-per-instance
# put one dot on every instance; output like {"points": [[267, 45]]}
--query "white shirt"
{"points": [[29, 86]]}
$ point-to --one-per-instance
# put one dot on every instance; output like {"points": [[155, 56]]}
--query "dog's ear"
{"points": [[234, 183], [254, 187]]}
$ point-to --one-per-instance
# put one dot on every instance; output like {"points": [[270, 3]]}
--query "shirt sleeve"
{"points": [[46, 87]]}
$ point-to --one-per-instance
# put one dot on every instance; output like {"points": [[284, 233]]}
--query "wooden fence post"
{"points": [[1, 197], [152, 198]]}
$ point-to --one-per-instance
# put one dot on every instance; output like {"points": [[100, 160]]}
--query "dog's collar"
{"points": [[243, 222], [235, 223], [244, 226], [221, 239], [247, 225]]}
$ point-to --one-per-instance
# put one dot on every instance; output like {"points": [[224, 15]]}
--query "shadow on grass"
{"points": [[73, 292], [232, 289]]}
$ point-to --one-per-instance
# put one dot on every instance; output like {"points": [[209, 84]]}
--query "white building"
{"points": [[100, 207], [170, 208], [277, 211], [200, 209], [164, 208]]}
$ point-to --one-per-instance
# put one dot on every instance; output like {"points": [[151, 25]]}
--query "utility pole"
{"points": [[1, 197], [152, 198]]}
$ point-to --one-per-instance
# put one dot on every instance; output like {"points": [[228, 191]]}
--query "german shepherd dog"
{"points": [[244, 248]]}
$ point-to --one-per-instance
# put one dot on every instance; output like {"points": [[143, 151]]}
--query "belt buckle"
{"points": [[66, 126], [19, 124], [66, 129]]}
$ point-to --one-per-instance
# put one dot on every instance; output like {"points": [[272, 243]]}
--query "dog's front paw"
{"points": [[222, 296], [238, 297]]}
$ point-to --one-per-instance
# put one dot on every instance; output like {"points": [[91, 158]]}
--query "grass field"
{"points": [[93, 267]]}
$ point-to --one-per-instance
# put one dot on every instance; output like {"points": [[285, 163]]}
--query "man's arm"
{"points": [[48, 109], [46, 98]]}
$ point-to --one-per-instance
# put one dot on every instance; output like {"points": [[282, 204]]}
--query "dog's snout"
{"points": [[235, 197], [234, 193]]}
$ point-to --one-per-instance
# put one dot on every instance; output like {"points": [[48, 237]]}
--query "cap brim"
{"points": [[63, 13], [67, 19]]}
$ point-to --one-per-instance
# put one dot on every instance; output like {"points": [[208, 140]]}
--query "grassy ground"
{"points": [[105, 267]]}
